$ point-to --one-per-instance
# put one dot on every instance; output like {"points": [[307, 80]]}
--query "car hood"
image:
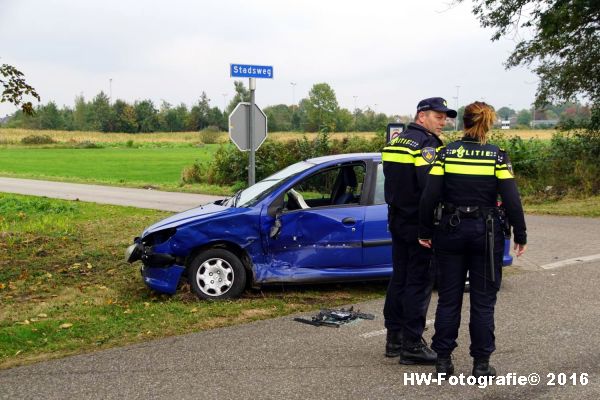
{"points": [[191, 215]]}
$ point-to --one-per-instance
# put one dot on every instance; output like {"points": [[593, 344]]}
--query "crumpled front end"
{"points": [[161, 268]]}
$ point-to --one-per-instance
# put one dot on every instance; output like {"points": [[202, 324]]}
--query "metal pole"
{"points": [[456, 119], [251, 161]]}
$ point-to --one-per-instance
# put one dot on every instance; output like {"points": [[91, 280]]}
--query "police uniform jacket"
{"points": [[467, 173], [407, 160]]}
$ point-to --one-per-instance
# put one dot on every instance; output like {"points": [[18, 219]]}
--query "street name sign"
{"points": [[251, 71]]}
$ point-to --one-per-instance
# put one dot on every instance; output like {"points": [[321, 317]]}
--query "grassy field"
{"points": [[65, 289], [158, 167], [14, 136]]}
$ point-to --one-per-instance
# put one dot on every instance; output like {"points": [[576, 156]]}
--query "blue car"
{"points": [[319, 220]]}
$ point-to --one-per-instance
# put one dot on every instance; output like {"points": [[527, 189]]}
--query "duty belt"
{"points": [[468, 211], [458, 212]]}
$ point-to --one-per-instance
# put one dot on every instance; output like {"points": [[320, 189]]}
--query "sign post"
{"points": [[252, 72]]}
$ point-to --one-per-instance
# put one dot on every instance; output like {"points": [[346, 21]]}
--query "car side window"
{"points": [[379, 186], [336, 186]]}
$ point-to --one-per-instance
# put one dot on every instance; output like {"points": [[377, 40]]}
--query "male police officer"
{"points": [[407, 160]]}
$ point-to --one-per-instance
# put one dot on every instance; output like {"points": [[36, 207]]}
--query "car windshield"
{"points": [[249, 196]]}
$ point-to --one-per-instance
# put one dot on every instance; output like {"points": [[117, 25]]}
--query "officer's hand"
{"points": [[425, 243], [520, 249]]}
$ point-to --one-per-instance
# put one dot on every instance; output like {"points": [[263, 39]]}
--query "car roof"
{"points": [[345, 157]]}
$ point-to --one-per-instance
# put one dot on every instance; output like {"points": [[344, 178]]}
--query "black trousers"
{"points": [[458, 250], [409, 290]]}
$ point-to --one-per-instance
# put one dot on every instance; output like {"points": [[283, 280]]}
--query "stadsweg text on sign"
{"points": [[251, 71]]}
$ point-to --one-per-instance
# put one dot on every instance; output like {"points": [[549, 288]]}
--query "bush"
{"points": [[37, 139], [86, 144], [210, 135], [192, 174], [230, 166]]}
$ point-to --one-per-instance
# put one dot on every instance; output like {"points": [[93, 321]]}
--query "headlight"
{"points": [[133, 252]]}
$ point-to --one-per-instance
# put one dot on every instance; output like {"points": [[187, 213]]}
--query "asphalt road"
{"points": [[142, 198], [546, 323]]}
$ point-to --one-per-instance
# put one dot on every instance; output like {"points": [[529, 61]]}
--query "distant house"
{"points": [[543, 123]]}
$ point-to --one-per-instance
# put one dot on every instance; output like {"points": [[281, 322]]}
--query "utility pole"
{"points": [[293, 94], [355, 97], [456, 119], [224, 101], [109, 91]]}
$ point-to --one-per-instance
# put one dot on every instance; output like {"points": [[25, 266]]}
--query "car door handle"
{"points": [[348, 221]]}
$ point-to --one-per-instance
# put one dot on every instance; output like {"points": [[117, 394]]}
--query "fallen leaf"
{"points": [[88, 266], [18, 352], [65, 326], [128, 311], [48, 275], [2, 285], [146, 304], [194, 310], [102, 287], [42, 315]]}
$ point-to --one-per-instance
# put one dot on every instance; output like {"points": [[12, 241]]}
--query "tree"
{"points": [[565, 47], [49, 117], [102, 114], [146, 116], [343, 120], [125, 118], [241, 94], [218, 119], [81, 114], [505, 113], [322, 108], [279, 118], [524, 117], [15, 87], [198, 118]]}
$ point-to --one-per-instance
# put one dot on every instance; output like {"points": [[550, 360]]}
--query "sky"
{"points": [[385, 55]]}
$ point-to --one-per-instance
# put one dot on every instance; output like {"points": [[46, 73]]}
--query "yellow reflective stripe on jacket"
{"points": [[420, 161], [502, 172], [437, 170], [399, 154], [470, 169], [401, 158]]}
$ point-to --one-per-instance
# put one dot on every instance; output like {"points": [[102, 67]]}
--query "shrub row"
{"points": [[563, 165]]}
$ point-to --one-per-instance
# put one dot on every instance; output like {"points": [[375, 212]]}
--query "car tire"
{"points": [[217, 274]]}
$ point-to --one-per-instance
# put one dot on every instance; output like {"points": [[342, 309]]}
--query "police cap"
{"points": [[436, 104]]}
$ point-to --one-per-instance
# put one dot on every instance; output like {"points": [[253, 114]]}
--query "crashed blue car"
{"points": [[319, 220]]}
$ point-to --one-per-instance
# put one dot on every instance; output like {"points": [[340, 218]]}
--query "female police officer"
{"points": [[467, 235]]}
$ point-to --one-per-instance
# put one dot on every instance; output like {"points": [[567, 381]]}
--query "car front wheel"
{"points": [[217, 274]]}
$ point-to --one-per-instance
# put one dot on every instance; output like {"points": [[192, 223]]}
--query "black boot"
{"points": [[482, 367], [417, 353], [444, 365], [393, 343]]}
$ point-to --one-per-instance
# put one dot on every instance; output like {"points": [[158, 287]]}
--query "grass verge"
{"points": [[65, 289], [568, 206]]}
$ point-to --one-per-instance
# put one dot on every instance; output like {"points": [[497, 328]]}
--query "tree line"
{"points": [[319, 112]]}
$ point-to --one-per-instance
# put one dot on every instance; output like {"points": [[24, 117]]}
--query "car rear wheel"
{"points": [[217, 274]]}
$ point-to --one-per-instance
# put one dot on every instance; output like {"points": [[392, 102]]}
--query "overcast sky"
{"points": [[386, 55]]}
